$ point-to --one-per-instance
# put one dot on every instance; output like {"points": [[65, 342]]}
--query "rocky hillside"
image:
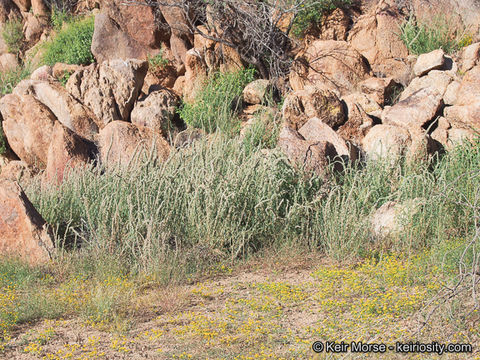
{"points": [[221, 179], [353, 85]]}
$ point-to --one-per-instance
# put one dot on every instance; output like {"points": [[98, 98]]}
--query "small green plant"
{"points": [[421, 38], [64, 78], [312, 12], [60, 17], [3, 141], [13, 35], [10, 79], [216, 105], [157, 63], [72, 44]]}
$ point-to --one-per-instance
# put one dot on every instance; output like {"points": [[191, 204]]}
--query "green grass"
{"points": [[225, 199], [3, 141], [157, 63], [10, 79], [421, 38], [312, 12], [216, 105], [13, 35], [72, 44]]}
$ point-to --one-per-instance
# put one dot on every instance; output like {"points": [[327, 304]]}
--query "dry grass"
{"points": [[253, 311]]}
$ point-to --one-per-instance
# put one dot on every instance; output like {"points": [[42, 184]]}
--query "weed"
{"points": [[157, 63], [217, 103], [60, 17], [13, 35], [421, 38], [312, 12], [10, 79], [72, 44]]}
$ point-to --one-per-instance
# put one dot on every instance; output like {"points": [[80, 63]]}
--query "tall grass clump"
{"points": [[12, 34], [421, 38], [224, 199], [72, 44], [217, 103], [215, 200]]}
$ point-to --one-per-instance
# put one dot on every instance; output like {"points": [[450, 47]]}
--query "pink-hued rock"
{"points": [[23, 231], [120, 142], [66, 151], [333, 64], [28, 127]]}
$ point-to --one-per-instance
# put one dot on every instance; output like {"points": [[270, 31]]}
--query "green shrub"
{"points": [[157, 63], [312, 12], [13, 35], [60, 17], [72, 44], [263, 132], [216, 104], [421, 38]]}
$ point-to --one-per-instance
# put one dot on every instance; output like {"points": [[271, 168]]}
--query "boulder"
{"points": [[393, 218], [157, 111], [464, 116], [23, 5], [315, 130], [8, 62], [391, 142], [434, 60], [375, 34], [466, 109], [450, 136], [23, 231], [462, 16], [195, 75], [39, 8], [69, 111], [470, 57], [416, 111], [181, 39], [436, 80], [310, 156], [43, 73], [256, 91], [334, 26], [125, 31], [110, 89], [469, 90], [120, 142], [366, 102], [380, 89], [451, 93], [66, 151], [357, 125], [18, 171], [330, 64], [302, 105], [386, 141], [34, 27], [28, 127]]}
